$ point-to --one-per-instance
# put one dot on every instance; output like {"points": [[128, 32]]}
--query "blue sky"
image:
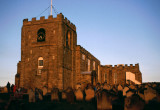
{"points": [[114, 31]]}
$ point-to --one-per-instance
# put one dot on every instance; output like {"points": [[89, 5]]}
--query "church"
{"points": [[51, 57]]}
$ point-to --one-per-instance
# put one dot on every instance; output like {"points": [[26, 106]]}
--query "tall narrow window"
{"points": [[40, 65], [68, 39], [83, 57], [115, 78], [88, 64], [105, 77], [99, 75], [94, 65]]}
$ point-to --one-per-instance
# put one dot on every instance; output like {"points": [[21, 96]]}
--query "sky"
{"points": [[114, 31]]}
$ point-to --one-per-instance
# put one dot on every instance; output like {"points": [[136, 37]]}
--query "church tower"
{"points": [[48, 48]]}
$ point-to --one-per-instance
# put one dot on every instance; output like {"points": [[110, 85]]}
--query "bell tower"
{"points": [[47, 53]]}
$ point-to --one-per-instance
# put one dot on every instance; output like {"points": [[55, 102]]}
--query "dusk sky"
{"points": [[114, 31]]}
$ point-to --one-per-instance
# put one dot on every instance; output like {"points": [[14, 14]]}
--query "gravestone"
{"points": [[98, 86], [70, 95], [79, 94], [132, 86], [31, 95], [64, 95], [40, 94], [55, 94], [104, 100], [134, 103], [78, 86], [154, 85], [149, 94], [130, 92], [107, 87], [125, 90], [44, 89], [5, 90], [89, 93], [120, 88]]}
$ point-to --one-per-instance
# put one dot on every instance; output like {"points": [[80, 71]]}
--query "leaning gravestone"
{"points": [[79, 95], [89, 94], [104, 100], [149, 94], [55, 94], [31, 95]]}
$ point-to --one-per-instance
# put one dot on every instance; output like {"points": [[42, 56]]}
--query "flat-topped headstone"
{"points": [[55, 94], [79, 94]]}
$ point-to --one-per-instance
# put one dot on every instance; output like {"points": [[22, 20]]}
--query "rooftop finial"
{"points": [[51, 7]]}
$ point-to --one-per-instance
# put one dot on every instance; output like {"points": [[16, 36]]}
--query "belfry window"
{"points": [[41, 35]]}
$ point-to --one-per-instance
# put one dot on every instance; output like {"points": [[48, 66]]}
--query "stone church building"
{"points": [[50, 57]]}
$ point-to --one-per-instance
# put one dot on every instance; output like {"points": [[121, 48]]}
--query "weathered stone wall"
{"points": [[58, 59], [63, 62], [83, 76], [120, 70]]}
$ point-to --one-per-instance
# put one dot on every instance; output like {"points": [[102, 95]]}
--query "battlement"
{"points": [[123, 66], [50, 19]]}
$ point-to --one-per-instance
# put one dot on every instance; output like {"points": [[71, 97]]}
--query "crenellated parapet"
{"points": [[50, 19], [123, 66]]}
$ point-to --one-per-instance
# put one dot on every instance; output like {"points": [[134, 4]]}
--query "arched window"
{"points": [[40, 62], [41, 35]]}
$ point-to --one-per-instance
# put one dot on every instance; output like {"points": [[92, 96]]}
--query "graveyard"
{"points": [[99, 97]]}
